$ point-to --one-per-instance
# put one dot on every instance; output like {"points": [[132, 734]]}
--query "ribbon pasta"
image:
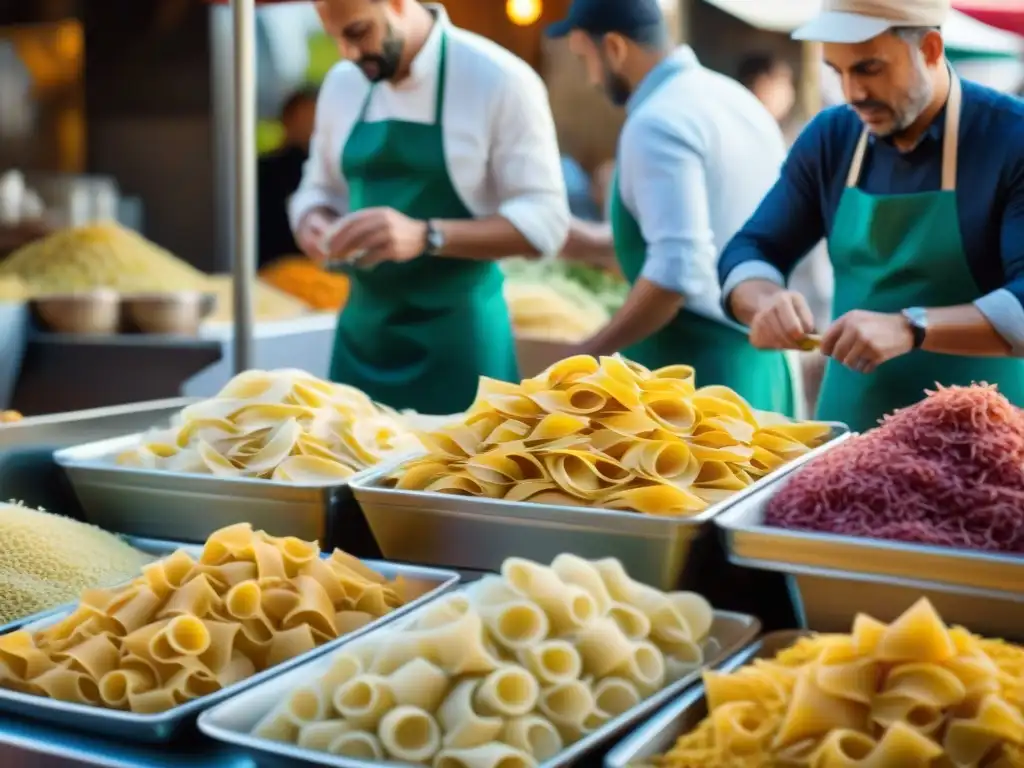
{"points": [[187, 628], [607, 433], [503, 674], [284, 425], [913, 694]]}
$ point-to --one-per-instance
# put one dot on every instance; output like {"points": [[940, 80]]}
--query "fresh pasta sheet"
{"points": [[911, 694], [504, 674], [284, 425], [187, 628], [608, 433]]}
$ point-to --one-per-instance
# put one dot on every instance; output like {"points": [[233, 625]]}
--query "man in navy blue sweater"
{"points": [[918, 185]]}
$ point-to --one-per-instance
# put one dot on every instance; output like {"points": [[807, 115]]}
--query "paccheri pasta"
{"points": [[47, 560], [187, 628], [284, 425], [607, 433], [506, 673], [911, 694]]}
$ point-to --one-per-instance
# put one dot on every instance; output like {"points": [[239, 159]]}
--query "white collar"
{"points": [[428, 60]]}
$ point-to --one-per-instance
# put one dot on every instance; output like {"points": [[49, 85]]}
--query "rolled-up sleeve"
{"points": [[664, 179], [787, 224], [1004, 308], [526, 165], [322, 184]]}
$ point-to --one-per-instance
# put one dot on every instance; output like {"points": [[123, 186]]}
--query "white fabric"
{"points": [[499, 134]]}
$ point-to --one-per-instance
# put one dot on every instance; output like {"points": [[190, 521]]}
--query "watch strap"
{"points": [[917, 319]]}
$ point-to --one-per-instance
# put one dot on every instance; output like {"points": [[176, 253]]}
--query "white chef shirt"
{"points": [[499, 135], [696, 156]]}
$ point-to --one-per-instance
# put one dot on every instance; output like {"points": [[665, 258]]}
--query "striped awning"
{"points": [[1003, 14]]}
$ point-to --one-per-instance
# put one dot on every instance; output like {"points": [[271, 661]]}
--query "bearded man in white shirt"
{"points": [[434, 155]]}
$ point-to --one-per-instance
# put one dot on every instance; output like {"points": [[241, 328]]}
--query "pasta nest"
{"points": [[284, 425], [911, 694], [187, 628], [608, 433], [507, 672]]}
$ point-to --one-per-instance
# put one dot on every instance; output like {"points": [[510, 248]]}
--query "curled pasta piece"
{"points": [[493, 755], [567, 607], [534, 736], [582, 573], [517, 624], [552, 662], [357, 744], [319, 736], [509, 691], [615, 696], [307, 705], [409, 734], [603, 648], [419, 684], [363, 700], [567, 706], [463, 726]]}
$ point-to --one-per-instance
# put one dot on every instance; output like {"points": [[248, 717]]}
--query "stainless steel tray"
{"points": [[465, 532], [147, 502], [658, 735], [232, 721], [58, 430], [834, 577], [164, 726]]}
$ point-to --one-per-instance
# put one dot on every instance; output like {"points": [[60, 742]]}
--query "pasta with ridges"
{"points": [[187, 628], [506, 673]]}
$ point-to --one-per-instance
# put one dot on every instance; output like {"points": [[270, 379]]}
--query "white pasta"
{"points": [[506, 673]]}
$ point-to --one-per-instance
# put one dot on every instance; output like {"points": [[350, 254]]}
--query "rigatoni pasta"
{"points": [[506, 673], [187, 628]]}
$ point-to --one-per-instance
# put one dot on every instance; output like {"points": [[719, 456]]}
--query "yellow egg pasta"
{"points": [[607, 433], [286, 425], [505, 673], [187, 628], [911, 694]]}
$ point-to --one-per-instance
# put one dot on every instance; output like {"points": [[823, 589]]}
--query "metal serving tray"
{"points": [[465, 532], [658, 735], [164, 726], [233, 721], [834, 577], [148, 502]]}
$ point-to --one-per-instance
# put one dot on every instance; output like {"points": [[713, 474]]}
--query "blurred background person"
{"points": [[280, 173], [772, 80]]}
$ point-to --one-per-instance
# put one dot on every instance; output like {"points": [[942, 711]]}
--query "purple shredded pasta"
{"points": [[947, 471]]}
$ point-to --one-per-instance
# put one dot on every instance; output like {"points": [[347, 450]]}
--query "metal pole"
{"points": [[243, 14]]}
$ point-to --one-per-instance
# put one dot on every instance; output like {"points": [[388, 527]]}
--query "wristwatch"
{"points": [[917, 319], [435, 239]]}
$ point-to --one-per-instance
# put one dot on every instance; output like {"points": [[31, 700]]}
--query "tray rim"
{"points": [[366, 486], [567, 756], [68, 460], [624, 753], [35, 706]]}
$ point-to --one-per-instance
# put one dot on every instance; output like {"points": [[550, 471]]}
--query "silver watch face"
{"points": [[435, 240], [917, 316]]}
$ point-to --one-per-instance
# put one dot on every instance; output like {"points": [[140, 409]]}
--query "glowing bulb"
{"points": [[523, 13]]}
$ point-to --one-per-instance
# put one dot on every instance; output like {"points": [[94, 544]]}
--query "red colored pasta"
{"points": [[947, 471]]}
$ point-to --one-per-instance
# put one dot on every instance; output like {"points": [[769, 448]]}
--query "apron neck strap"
{"points": [[950, 141], [441, 78]]}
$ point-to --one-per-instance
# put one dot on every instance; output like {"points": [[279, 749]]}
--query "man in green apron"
{"points": [[696, 155], [434, 154], [919, 189]]}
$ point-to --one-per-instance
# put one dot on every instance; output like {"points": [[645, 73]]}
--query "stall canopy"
{"points": [[1004, 14]]}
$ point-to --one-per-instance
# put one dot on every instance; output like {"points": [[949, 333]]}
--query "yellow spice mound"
{"points": [[96, 256], [47, 560]]}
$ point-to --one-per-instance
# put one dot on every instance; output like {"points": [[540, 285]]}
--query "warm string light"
{"points": [[523, 13]]}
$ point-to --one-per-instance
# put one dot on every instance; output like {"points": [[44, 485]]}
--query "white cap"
{"points": [[857, 21]]}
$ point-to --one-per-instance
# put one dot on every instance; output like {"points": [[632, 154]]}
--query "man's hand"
{"points": [[590, 243], [312, 229], [782, 322], [374, 235], [864, 340]]}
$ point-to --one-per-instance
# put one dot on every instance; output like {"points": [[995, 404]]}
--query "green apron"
{"points": [[418, 335], [893, 252], [719, 353]]}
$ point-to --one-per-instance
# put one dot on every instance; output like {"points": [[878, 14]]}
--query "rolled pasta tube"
{"points": [[632, 621], [276, 725], [582, 573], [458, 648], [244, 600], [603, 647], [319, 736], [463, 726], [516, 624], [444, 611], [183, 636], [567, 705], [552, 662], [409, 734], [307, 704], [533, 735], [614, 696], [645, 666], [357, 744], [568, 607], [68, 685], [510, 691], [493, 755], [116, 686], [697, 612], [419, 684], [363, 700], [492, 591]]}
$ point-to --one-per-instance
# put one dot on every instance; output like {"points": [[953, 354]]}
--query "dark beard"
{"points": [[616, 88], [385, 64]]}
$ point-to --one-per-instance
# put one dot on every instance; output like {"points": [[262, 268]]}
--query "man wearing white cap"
{"points": [[919, 187]]}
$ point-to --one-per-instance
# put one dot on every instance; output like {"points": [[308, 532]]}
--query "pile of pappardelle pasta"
{"points": [[607, 433], [507, 672], [285, 425], [913, 694], [186, 628]]}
